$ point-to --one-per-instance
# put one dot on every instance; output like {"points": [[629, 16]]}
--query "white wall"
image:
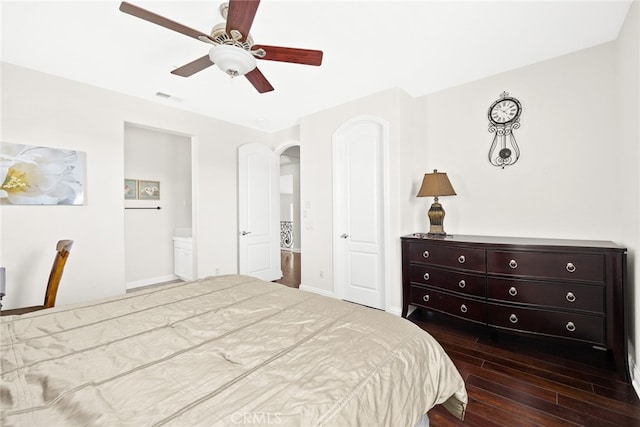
{"points": [[568, 162], [627, 104], [40, 109], [152, 155]]}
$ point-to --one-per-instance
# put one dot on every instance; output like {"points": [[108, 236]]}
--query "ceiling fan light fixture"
{"points": [[232, 60]]}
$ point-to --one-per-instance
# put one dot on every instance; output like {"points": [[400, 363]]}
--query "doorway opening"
{"points": [[290, 241], [155, 222]]}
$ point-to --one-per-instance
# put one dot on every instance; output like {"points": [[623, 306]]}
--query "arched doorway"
{"points": [[290, 242]]}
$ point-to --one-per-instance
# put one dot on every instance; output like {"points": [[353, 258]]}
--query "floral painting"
{"points": [[33, 175]]}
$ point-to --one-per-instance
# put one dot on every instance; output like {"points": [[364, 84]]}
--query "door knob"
{"points": [[244, 233], [344, 236]]}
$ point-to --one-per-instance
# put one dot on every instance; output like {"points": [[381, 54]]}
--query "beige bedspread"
{"points": [[222, 351]]}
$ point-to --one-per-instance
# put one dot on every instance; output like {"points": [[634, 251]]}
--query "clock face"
{"points": [[504, 111]]}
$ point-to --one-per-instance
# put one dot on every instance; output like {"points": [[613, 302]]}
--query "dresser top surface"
{"points": [[514, 241]]}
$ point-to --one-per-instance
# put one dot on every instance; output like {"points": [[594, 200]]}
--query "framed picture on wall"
{"points": [[149, 190], [36, 175], [130, 189]]}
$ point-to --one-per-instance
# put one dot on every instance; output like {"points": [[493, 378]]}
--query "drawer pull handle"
{"points": [[425, 254], [513, 263], [571, 327], [425, 298], [461, 259], [513, 318], [462, 283], [570, 297], [513, 291], [570, 267], [463, 308], [426, 276]]}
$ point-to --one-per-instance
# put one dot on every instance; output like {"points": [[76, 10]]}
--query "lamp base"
{"points": [[436, 218]]}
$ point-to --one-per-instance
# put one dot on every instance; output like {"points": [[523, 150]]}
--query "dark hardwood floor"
{"points": [[515, 381], [519, 381], [290, 265]]}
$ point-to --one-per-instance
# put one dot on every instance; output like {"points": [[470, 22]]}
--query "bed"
{"points": [[225, 350]]}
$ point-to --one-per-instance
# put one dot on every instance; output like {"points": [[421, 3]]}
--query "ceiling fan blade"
{"points": [[240, 16], [193, 67], [258, 81], [141, 13], [290, 54]]}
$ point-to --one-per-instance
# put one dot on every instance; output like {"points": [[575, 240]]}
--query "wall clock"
{"points": [[504, 117]]}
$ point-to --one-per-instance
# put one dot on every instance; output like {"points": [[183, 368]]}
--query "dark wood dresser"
{"points": [[562, 289]]}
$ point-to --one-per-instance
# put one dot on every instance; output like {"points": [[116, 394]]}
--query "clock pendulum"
{"points": [[504, 117]]}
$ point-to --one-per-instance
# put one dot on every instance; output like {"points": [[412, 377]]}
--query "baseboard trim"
{"points": [[319, 291], [634, 371], [151, 281], [395, 310]]}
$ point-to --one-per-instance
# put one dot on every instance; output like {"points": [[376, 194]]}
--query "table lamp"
{"points": [[436, 184]]}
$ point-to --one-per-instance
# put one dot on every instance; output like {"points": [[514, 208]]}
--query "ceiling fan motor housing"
{"points": [[231, 59]]}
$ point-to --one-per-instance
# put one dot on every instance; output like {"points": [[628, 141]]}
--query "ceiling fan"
{"points": [[233, 49]]}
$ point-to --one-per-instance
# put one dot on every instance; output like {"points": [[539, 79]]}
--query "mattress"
{"points": [[225, 350]]}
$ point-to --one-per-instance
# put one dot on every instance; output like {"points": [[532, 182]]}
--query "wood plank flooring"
{"points": [[516, 381], [290, 265]]}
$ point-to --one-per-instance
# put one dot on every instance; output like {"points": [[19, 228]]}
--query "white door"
{"points": [[359, 212], [258, 212]]}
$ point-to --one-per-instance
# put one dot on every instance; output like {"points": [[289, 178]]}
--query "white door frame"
{"points": [[286, 144], [386, 247]]}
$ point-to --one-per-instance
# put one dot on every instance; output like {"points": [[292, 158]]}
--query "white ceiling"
{"points": [[369, 46]]}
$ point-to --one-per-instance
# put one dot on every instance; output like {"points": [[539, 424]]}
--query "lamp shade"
{"points": [[232, 60], [436, 184]]}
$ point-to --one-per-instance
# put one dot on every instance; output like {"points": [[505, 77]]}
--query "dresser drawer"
{"points": [[582, 327], [454, 257], [566, 295], [455, 281], [551, 265], [464, 308]]}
